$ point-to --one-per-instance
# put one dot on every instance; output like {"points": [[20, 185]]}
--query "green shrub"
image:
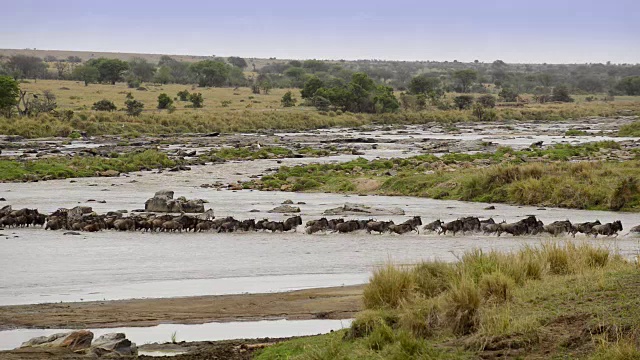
{"points": [[388, 287], [104, 105], [164, 101]]}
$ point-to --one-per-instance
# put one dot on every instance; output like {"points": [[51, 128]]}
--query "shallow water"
{"points": [[46, 266], [10, 339]]}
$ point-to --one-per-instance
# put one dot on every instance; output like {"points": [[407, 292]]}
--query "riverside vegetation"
{"points": [[527, 177], [556, 300]]}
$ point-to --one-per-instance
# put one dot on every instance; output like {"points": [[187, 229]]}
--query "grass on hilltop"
{"points": [[238, 110], [551, 301]]}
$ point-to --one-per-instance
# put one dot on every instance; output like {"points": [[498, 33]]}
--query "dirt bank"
{"points": [[326, 303]]}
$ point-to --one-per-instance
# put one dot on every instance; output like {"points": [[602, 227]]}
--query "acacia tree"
{"points": [[423, 84], [465, 79], [24, 66], [141, 69], [310, 87], [110, 70], [86, 73], [210, 72], [9, 92]]}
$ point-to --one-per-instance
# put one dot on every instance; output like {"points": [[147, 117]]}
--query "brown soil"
{"points": [[326, 303]]}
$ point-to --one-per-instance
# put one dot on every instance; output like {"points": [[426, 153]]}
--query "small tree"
{"points": [[561, 93], [288, 100], [196, 100], [44, 103], [183, 95], [483, 113], [487, 101], [237, 61], [86, 73], [164, 101], [9, 93], [134, 107], [465, 79], [463, 101], [104, 105]]}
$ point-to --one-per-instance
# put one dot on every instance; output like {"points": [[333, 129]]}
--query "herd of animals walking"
{"points": [[89, 221]]}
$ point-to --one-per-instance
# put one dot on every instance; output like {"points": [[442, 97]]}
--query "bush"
{"points": [[625, 192], [104, 105], [508, 95], [164, 101], [561, 93], [183, 95], [134, 107], [288, 100], [388, 287], [321, 103], [432, 278], [133, 83], [463, 101], [196, 100]]}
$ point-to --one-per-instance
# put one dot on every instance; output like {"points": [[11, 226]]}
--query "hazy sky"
{"points": [[552, 31]]}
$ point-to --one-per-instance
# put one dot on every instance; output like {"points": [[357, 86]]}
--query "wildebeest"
{"points": [[171, 226], [248, 225], [347, 226], [584, 227], [333, 222], [607, 229], [124, 225], [484, 223], [635, 229], [453, 226], [433, 226], [292, 223], [470, 223], [379, 226], [558, 227], [274, 226]]}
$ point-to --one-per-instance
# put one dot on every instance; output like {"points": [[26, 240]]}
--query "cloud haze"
{"points": [[465, 30]]}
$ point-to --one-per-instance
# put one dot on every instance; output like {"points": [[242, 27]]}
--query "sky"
{"points": [[531, 31]]}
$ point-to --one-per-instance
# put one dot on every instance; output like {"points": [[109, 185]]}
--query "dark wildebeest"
{"points": [[292, 223], [188, 222], [484, 223], [229, 226], [204, 225], [333, 222], [321, 223], [403, 228], [453, 226], [635, 229], [607, 229], [215, 224], [538, 229], [379, 226], [248, 225], [491, 228], [515, 229], [92, 227], [171, 226], [54, 223], [260, 224], [433, 226], [347, 226], [558, 227], [124, 225], [470, 223], [584, 227]]}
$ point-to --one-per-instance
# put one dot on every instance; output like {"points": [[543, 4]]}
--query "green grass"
{"points": [[266, 152], [61, 167], [632, 130], [493, 305]]}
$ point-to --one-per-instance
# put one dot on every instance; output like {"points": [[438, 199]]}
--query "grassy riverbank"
{"points": [[62, 167], [632, 129], [552, 301], [536, 177]]}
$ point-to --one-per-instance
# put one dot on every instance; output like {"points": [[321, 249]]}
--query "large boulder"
{"points": [[359, 209], [76, 214], [114, 343], [163, 201], [285, 209], [74, 341]]}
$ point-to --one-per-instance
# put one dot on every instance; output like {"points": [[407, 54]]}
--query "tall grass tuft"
{"points": [[497, 287], [389, 287], [461, 306], [432, 278]]}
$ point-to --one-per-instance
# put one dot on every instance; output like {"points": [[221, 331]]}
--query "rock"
{"points": [[71, 233], [163, 201], [114, 343], [254, 211], [74, 215], [282, 209], [74, 341], [635, 229], [490, 208], [359, 209], [3, 199], [108, 173], [167, 194], [288, 202]]}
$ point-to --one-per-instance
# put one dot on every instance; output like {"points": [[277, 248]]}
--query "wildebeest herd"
{"points": [[87, 220]]}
